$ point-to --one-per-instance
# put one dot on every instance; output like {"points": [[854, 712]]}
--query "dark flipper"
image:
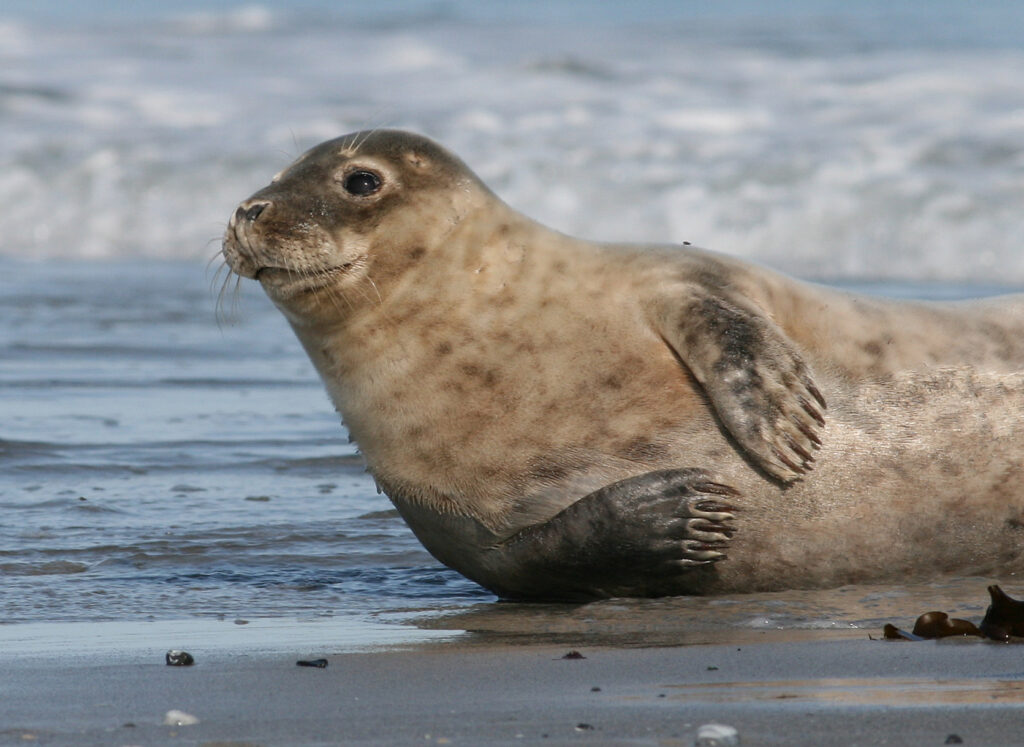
{"points": [[754, 376], [643, 536]]}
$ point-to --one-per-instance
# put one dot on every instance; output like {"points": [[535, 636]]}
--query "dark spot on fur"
{"points": [[553, 467], [612, 382], [487, 377], [488, 471], [547, 470], [445, 348], [417, 253], [641, 449], [873, 348], [710, 277], [950, 467]]}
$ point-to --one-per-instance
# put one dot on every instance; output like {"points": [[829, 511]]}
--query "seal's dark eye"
{"points": [[361, 183]]}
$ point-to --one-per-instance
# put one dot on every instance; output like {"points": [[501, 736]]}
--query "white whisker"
{"points": [[380, 298]]}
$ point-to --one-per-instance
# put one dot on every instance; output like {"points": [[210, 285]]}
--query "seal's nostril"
{"points": [[252, 212]]}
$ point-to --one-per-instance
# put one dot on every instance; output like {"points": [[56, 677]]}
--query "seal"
{"points": [[562, 419]]}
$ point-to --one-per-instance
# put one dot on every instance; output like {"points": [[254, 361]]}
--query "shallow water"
{"points": [[158, 464], [153, 463]]}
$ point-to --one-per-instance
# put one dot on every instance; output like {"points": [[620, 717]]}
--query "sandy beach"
{"points": [[774, 687]]}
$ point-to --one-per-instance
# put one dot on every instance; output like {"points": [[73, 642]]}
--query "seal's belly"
{"points": [[556, 407]]}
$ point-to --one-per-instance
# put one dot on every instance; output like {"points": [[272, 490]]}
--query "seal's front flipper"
{"points": [[643, 536], [754, 376]]}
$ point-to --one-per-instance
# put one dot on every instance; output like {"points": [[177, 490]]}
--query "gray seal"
{"points": [[563, 419]]}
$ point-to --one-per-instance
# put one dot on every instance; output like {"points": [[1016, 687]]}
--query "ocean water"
{"points": [[831, 139], [160, 459]]}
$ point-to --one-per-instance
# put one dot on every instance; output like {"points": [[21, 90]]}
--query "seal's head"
{"points": [[337, 228]]}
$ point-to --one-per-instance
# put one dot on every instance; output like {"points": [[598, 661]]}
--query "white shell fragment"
{"points": [[179, 718], [716, 735]]}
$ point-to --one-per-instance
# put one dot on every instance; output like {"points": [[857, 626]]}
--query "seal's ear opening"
{"points": [[417, 160]]}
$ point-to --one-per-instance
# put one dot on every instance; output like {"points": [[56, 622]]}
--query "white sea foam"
{"points": [[880, 145]]}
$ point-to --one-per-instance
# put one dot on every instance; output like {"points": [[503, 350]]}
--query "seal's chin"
{"points": [[281, 283]]}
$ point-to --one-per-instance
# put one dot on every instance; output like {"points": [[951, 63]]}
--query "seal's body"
{"points": [[556, 418]]}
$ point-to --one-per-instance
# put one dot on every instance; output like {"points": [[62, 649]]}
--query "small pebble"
{"points": [[318, 663], [179, 718], [584, 727], [175, 658], [595, 689], [574, 655], [716, 735], [954, 739]]}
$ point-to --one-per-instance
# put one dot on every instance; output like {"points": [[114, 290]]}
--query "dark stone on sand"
{"points": [[175, 658]]}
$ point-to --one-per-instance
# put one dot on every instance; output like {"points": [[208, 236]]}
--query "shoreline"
{"points": [[148, 640], [787, 686]]}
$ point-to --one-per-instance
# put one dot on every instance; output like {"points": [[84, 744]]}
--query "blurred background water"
{"points": [[157, 462]]}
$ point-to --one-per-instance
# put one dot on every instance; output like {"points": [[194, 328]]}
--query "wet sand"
{"points": [[787, 687]]}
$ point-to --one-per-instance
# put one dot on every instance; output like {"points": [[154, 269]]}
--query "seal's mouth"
{"points": [[280, 272], [282, 281]]}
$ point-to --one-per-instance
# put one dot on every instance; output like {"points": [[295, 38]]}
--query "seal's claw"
{"points": [[818, 396], [808, 432], [704, 530], [707, 532], [696, 554]]}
